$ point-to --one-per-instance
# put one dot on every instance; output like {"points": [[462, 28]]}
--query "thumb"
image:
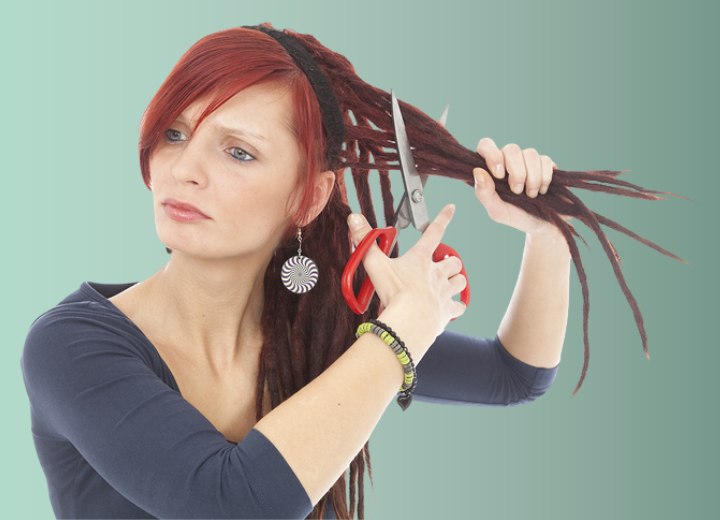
{"points": [[373, 256], [484, 185], [359, 227]]}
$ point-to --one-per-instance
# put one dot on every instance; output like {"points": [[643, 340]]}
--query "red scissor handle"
{"points": [[360, 303], [441, 253]]}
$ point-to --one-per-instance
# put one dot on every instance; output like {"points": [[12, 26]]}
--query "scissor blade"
{"points": [[402, 217], [443, 117], [402, 213], [413, 200]]}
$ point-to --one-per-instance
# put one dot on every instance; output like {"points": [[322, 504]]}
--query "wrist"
{"points": [[405, 323], [548, 236]]}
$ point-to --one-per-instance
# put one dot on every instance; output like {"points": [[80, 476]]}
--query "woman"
{"points": [[210, 389]]}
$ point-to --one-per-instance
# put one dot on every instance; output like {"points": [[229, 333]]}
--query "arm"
{"points": [[533, 328], [90, 386], [163, 455], [324, 425], [521, 361], [464, 370]]}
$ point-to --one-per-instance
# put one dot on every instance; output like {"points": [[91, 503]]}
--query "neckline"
{"points": [[100, 292]]}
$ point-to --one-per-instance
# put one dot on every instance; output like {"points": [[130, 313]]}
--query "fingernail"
{"points": [[500, 170], [517, 188], [479, 180], [354, 221]]}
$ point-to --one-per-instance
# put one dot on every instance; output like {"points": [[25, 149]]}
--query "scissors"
{"points": [[411, 210]]}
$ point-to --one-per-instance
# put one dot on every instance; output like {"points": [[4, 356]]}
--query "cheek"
{"points": [[157, 169], [151, 169], [262, 211]]}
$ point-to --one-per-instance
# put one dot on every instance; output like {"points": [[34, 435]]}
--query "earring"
{"points": [[299, 274]]}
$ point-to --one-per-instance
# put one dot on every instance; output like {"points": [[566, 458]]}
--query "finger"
{"points": [[494, 158], [431, 237], [486, 193], [450, 266], [458, 308], [533, 167], [547, 173], [483, 182], [359, 227], [515, 165], [457, 283]]}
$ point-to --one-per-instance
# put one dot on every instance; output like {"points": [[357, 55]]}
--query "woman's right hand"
{"points": [[423, 287]]}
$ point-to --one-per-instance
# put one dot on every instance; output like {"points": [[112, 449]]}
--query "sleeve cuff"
{"points": [[540, 377], [286, 497]]}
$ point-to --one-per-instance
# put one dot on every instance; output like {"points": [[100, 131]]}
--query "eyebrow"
{"points": [[236, 130]]}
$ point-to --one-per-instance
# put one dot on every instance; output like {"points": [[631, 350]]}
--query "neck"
{"points": [[211, 308]]}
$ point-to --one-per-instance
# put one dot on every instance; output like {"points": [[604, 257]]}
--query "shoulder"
{"points": [[87, 333], [77, 319]]}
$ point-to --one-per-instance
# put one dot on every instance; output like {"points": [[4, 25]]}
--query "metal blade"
{"points": [[443, 117], [402, 217], [411, 209]]}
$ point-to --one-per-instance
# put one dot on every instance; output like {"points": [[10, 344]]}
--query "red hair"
{"points": [[218, 67]]}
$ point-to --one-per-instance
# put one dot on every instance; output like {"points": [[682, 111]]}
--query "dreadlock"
{"points": [[304, 334]]}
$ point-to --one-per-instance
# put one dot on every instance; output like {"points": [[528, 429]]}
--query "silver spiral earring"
{"points": [[299, 274]]}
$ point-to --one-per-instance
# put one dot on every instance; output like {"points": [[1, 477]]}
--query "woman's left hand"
{"points": [[526, 170]]}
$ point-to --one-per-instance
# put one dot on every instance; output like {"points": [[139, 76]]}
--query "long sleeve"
{"points": [[463, 370], [93, 389]]}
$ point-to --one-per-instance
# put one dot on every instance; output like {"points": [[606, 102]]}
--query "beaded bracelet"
{"points": [[393, 341]]}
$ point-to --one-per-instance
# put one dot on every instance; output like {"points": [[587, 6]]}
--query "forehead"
{"points": [[264, 109]]}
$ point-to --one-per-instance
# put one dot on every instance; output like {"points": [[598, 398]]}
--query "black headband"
{"points": [[330, 109]]}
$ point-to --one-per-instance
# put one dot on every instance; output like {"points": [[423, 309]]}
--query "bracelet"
{"points": [[391, 339], [401, 352]]}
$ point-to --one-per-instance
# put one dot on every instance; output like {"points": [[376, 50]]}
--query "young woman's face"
{"points": [[241, 181]]}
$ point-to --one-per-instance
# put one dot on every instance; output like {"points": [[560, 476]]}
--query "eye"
{"points": [[169, 131], [171, 137], [244, 154]]}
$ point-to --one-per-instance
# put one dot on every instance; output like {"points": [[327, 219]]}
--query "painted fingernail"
{"points": [[499, 170]]}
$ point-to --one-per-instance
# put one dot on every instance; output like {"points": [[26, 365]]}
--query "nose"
{"points": [[188, 164]]}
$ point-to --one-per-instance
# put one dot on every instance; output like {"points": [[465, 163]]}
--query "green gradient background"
{"points": [[595, 85]]}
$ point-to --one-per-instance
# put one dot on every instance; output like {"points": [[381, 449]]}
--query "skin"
{"points": [[534, 325], [527, 171], [208, 299]]}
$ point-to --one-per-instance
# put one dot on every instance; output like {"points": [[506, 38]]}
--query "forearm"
{"points": [[322, 427], [534, 325]]}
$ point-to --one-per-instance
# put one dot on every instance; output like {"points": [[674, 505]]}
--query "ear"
{"points": [[323, 190]]}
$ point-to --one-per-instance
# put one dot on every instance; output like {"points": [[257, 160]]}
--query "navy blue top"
{"points": [[115, 438]]}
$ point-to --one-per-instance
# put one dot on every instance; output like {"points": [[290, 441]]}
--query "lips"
{"points": [[184, 206]]}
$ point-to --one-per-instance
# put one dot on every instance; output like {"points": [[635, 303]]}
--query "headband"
{"points": [[334, 129]]}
